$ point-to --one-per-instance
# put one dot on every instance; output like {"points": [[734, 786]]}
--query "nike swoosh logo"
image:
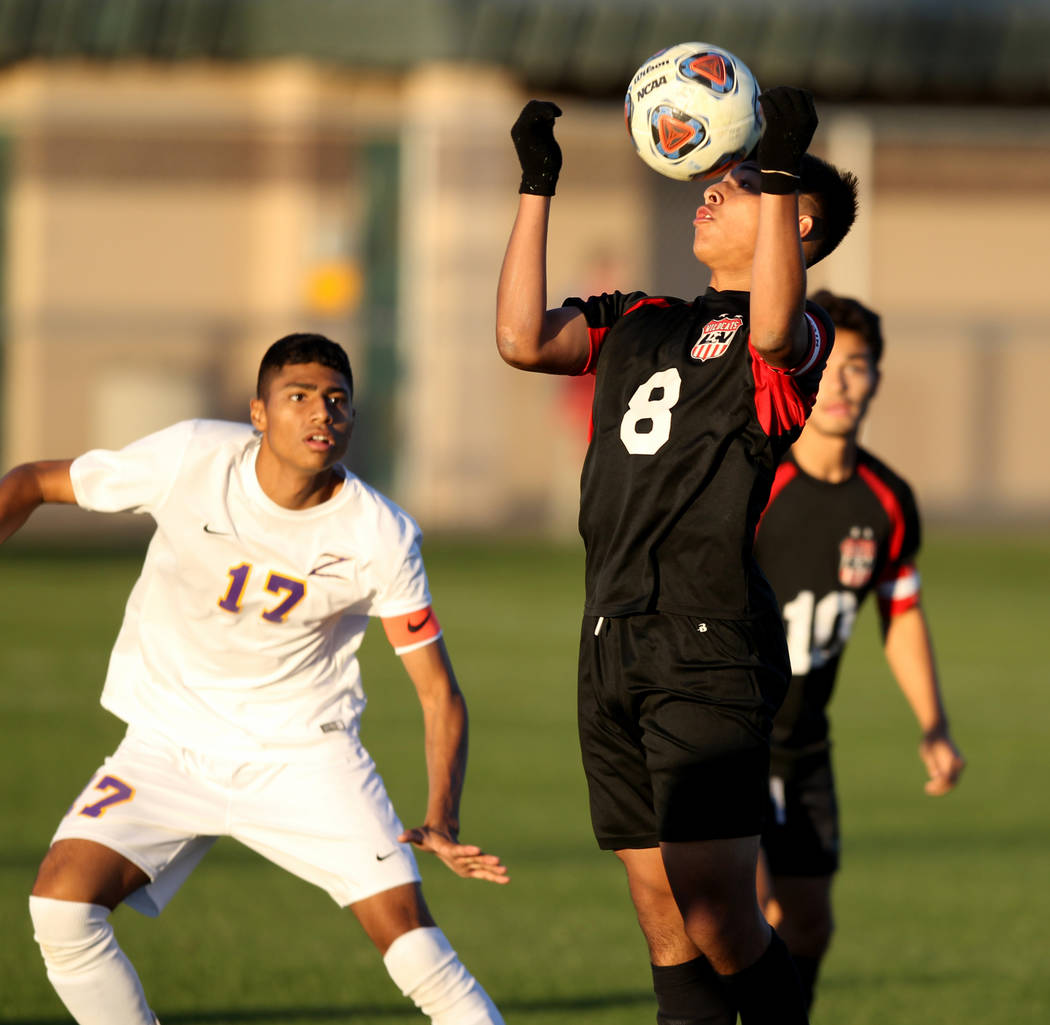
{"points": [[414, 628], [389, 854], [217, 533], [333, 560]]}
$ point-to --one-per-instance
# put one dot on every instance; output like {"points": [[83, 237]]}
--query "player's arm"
{"points": [[445, 742], [528, 335], [779, 331], [909, 653], [30, 485]]}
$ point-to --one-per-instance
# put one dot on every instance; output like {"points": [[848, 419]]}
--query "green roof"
{"points": [[983, 51]]}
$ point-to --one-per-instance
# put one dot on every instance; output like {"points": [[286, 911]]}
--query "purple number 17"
{"points": [[121, 792], [293, 589]]}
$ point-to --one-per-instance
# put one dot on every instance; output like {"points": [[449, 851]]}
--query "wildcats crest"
{"points": [[716, 337], [857, 554]]}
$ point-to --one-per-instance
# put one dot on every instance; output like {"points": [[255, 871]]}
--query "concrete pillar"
{"points": [[458, 190], [849, 142]]}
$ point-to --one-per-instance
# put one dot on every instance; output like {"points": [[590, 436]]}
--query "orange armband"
{"points": [[412, 630]]}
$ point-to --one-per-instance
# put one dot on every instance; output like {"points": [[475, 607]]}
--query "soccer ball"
{"points": [[692, 111]]}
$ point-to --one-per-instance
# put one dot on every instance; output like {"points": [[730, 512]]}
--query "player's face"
{"points": [[726, 226], [848, 384], [306, 417]]}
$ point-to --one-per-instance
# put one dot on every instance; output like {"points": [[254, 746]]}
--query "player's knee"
{"points": [[427, 970], [71, 935]]}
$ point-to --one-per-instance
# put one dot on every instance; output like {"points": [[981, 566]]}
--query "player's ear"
{"points": [[257, 413], [810, 230], [808, 227]]}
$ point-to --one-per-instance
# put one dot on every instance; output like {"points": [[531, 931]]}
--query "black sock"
{"points": [[768, 992], [691, 994], [807, 968]]}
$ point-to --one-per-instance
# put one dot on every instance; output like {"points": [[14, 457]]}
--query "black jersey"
{"points": [[824, 547], [689, 423]]}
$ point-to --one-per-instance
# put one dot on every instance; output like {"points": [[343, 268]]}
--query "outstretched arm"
{"points": [[445, 740], [30, 485], [778, 277], [909, 652], [528, 335]]}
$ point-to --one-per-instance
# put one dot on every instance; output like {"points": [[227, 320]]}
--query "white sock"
{"points": [[425, 968], [89, 971]]}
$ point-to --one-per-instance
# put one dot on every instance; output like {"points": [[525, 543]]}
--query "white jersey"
{"points": [[241, 633]]}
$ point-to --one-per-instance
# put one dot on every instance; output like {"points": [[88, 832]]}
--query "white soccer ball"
{"points": [[692, 111]]}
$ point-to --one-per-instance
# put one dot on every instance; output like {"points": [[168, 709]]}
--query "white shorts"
{"points": [[325, 818]]}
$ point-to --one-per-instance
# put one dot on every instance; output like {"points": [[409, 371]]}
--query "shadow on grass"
{"points": [[359, 1012]]}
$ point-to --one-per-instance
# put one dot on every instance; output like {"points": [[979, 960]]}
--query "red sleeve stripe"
{"points": [[786, 473], [899, 592], [649, 300], [900, 585], [596, 336], [779, 402], [888, 500]]}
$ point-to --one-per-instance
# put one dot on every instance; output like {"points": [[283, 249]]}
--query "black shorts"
{"points": [[675, 714], [801, 837]]}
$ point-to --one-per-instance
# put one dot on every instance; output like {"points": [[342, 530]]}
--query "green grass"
{"points": [[942, 903]]}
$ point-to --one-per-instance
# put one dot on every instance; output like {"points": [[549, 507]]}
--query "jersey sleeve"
{"points": [[898, 587], [404, 604], [821, 339], [402, 587], [136, 478], [601, 312], [784, 398]]}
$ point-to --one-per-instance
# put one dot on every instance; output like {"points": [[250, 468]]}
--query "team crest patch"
{"points": [[716, 337], [857, 554]]}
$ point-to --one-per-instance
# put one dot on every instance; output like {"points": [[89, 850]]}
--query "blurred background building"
{"points": [[183, 181]]}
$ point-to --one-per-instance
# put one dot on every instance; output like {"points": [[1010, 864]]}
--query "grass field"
{"points": [[942, 905]]}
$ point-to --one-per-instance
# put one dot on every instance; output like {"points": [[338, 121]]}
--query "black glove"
{"points": [[791, 120], [538, 152]]}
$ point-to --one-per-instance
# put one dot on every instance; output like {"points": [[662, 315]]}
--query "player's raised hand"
{"points": [[466, 860], [943, 760], [538, 151], [791, 120]]}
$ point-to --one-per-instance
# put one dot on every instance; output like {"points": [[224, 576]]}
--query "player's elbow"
{"points": [[26, 483], [775, 349], [517, 348], [781, 342]]}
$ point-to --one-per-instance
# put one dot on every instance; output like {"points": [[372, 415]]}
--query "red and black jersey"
{"points": [[689, 424], [824, 547]]}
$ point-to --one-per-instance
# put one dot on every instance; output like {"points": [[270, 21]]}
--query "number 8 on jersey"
{"points": [[650, 407]]}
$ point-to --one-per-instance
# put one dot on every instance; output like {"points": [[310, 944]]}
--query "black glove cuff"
{"points": [[780, 183], [538, 185]]}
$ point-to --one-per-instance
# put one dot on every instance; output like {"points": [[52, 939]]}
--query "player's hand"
{"points": [[538, 152], [791, 120], [943, 760], [465, 860]]}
